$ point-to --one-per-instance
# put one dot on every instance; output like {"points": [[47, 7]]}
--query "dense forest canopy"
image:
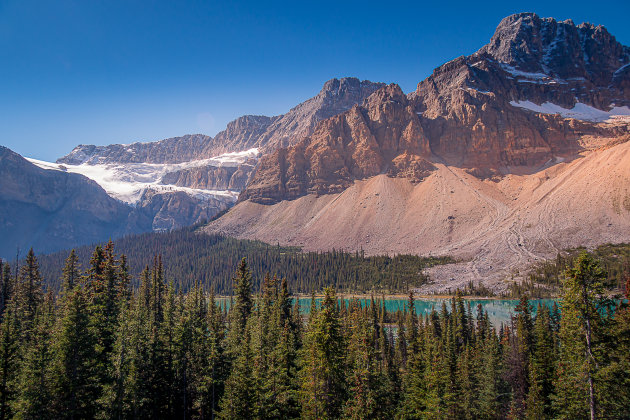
{"points": [[100, 349], [544, 279], [191, 257]]}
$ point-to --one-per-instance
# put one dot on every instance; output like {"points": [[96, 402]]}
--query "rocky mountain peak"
{"points": [[347, 87], [533, 44]]}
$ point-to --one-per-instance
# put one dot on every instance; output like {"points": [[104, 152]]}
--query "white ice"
{"points": [[127, 182], [579, 112]]}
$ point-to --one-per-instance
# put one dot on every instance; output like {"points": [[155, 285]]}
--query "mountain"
{"points": [[477, 162], [52, 210], [183, 180]]}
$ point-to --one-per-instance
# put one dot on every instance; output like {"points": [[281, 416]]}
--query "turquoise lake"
{"points": [[499, 310]]}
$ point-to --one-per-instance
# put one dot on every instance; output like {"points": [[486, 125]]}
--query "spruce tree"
{"points": [[580, 339], [542, 372], [323, 388], [76, 389], [35, 377], [29, 295]]}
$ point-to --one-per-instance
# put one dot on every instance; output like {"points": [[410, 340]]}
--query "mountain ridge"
{"points": [[387, 173]]}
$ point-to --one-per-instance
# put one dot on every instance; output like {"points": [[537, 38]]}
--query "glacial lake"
{"points": [[499, 310]]}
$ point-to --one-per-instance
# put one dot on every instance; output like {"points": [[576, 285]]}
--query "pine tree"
{"points": [[518, 358], [322, 366], [71, 275], [7, 286], [9, 359], [35, 377], [238, 400], [29, 295], [580, 334], [543, 364], [492, 389], [75, 390], [365, 379]]}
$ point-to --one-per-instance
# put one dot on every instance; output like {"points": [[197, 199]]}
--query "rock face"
{"points": [[468, 113], [52, 210], [381, 136], [171, 210], [271, 133], [585, 56], [211, 177]]}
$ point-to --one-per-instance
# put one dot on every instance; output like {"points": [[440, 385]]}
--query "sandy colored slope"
{"points": [[495, 227]]}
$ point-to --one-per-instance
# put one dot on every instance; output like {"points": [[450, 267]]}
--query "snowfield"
{"points": [[126, 182], [579, 112]]}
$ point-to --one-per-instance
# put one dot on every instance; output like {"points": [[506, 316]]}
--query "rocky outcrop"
{"points": [[559, 50], [171, 210], [271, 133], [51, 210], [467, 104], [243, 133], [381, 136], [211, 177]]}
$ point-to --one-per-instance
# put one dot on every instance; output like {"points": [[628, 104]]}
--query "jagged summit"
{"points": [[557, 48], [270, 133], [522, 100]]}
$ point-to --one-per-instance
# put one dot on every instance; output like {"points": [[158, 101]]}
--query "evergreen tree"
{"points": [[29, 295], [365, 379], [322, 376], [7, 286], [9, 359], [71, 275], [35, 377], [238, 400], [580, 339], [543, 363], [76, 389]]}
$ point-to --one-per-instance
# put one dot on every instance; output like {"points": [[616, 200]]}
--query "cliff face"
{"points": [[474, 112], [209, 177], [270, 133], [381, 136]]}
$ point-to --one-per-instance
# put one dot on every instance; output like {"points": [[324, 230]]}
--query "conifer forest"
{"points": [[104, 345]]}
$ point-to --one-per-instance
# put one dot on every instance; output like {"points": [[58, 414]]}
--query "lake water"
{"points": [[499, 310]]}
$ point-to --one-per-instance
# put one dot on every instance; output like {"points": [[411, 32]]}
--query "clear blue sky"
{"points": [[100, 72]]}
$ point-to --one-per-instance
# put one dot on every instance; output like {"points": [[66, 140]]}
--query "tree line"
{"points": [[190, 257], [103, 348]]}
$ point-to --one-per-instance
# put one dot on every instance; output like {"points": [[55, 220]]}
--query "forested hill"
{"points": [[189, 256]]}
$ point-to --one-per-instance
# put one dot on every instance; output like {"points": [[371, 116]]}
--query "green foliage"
{"points": [[190, 257], [99, 349], [545, 279]]}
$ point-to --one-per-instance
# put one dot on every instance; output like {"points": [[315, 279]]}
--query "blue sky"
{"points": [[100, 72]]}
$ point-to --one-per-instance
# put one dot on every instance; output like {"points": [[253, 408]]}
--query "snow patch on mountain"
{"points": [[579, 112], [126, 182]]}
